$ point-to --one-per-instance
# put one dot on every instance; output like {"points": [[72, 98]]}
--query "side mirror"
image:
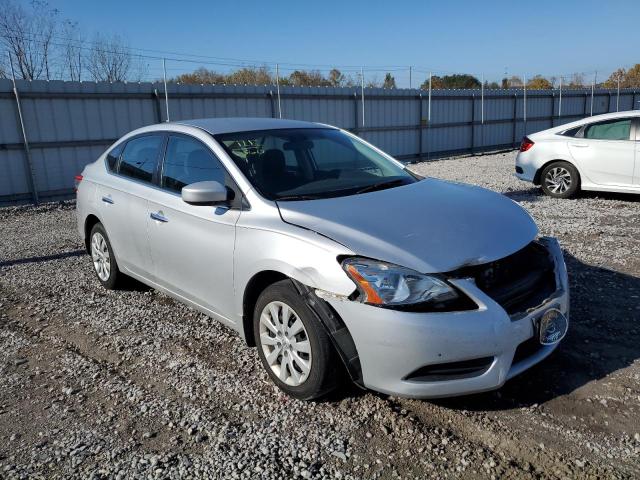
{"points": [[205, 193]]}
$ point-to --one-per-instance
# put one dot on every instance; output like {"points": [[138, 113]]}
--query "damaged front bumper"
{"points": [[428, 355]]}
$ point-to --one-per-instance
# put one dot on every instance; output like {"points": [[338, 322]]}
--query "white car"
{"points": [[598, 153]]}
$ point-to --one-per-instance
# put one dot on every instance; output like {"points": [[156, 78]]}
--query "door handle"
{"points": [[108, 200], [159, 217], [581, 145]]}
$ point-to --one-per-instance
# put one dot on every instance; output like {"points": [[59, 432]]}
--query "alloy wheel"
{"points": [[285, 343], [558, 180], [100, 256]]}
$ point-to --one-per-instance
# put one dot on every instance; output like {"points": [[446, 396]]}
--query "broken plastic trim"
{"points": [[336, 328]]}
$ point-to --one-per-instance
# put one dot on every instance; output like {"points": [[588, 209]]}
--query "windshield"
{"points": [[309, 163]]}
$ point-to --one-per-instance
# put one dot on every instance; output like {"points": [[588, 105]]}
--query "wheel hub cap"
{"points": [[100, 256], [558, 180], [285, 343]]}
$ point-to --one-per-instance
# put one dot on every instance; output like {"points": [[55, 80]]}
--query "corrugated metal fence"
{"points": [[69, 124]]}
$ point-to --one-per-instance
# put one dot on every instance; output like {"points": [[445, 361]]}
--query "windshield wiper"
{"points": [[380, 185], [298, 197]]}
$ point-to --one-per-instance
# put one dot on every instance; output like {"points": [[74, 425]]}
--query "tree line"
{"points": [[41, 44]]}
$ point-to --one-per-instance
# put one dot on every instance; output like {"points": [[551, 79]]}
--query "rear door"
{"points": [[192, 246], [123, 201], [606, 153]]}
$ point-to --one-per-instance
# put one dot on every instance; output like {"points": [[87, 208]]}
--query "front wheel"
{"points": [[560, 180], [294, 348]]}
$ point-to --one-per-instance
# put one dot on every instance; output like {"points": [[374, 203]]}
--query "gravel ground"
{"points": [[131, 384]]}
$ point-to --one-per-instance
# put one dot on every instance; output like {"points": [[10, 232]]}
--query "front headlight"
{"points": [[386, 284]]}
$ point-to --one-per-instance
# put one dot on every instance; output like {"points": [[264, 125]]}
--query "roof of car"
{"points": [[237, 124]]}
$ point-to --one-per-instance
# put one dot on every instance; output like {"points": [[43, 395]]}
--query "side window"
{"points": [[188, 161], [572, 132], [113, 156], [139, 157], [610, 130]]}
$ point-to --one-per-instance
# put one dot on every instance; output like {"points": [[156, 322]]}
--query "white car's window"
{"points": [[610, 130], [188, 161], [139, 158], [307, 163]]}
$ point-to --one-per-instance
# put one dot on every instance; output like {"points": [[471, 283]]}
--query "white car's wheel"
{"points": [[560, 180]]}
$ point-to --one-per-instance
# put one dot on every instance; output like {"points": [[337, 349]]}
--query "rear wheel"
{"points": [[104, 262], [294, 348], [560, 180]]}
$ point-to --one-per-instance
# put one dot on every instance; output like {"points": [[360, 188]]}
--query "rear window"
{"points": [[572, 132], [113, 156], [139, 158], [610, 130]]}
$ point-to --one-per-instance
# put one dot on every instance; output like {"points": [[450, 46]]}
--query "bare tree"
{"points": [[72, 62], [110, 59], [27, 35]]}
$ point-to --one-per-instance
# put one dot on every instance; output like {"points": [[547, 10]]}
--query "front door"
{"points": [[606, 153], [192, 246]]}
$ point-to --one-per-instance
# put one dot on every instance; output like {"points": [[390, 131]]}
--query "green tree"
{"points": [[389, 81], [452, 81]]}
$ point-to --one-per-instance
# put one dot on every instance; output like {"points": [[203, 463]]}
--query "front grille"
{"points": [[518, 282], [451, 370]]}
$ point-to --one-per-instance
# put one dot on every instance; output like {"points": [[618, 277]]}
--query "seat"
{"points": [[273, 172]]}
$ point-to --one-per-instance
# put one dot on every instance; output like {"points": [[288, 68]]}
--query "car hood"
{"points": [[429, 226]]}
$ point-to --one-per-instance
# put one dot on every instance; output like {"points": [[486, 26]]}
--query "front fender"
{"points": [[305, 256]]}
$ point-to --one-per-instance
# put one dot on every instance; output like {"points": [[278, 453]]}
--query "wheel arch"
{"points": [[330, 320], [89, 223], [538, 175]]}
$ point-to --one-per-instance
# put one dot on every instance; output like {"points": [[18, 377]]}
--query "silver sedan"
{"points": [[328, 255]]}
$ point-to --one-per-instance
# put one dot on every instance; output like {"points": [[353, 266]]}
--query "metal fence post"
{"points": [[524, 104], [410, 72], [560, 100], [166, 93], [473, 121], [482, 111], [420, 132], [593, 87], [278, 90], [156, 97], [515, 117], [31, 176], [362, 90], [618, 97]]}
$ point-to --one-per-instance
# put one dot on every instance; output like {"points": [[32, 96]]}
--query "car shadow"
{"points": [[603, 337], [624, 197], [531, 194]]}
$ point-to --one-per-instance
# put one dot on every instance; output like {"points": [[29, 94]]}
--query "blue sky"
{"points": [[547, 37]]}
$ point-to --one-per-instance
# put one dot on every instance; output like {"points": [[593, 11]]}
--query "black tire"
{"points": [[566, 169], [114, 278], [324, 375]]}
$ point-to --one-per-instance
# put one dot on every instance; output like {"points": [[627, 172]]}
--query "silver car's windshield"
{"points": [[310, 163]]}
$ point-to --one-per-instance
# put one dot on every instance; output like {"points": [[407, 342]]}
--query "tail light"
{"points": [[77, 179], [526, 144]]}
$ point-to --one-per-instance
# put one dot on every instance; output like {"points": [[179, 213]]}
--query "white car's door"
{"points": [[606, 153], [192, 246], [123, 205]]}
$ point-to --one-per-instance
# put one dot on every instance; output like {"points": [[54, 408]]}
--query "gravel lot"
{"points": [[131, 384]]}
